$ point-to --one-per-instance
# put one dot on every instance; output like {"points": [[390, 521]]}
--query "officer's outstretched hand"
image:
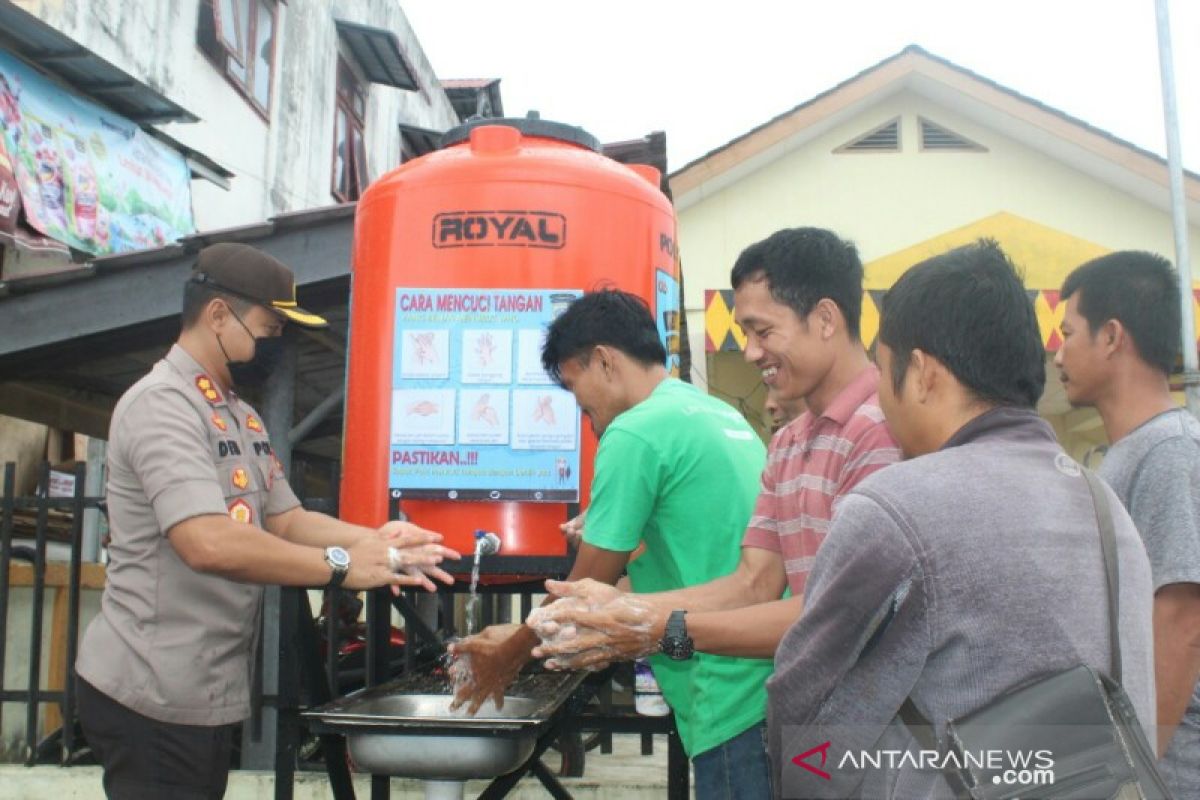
{"points": [[406, 559], [416, 553]]}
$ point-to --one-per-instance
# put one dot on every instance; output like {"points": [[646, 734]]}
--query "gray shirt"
{"points": [[1155, 470], [952, 578], [171, 643]]}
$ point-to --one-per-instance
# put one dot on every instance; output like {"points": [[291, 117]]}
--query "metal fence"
{"points": [[33, 695]]}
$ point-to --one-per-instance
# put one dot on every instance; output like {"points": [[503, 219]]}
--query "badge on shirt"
{"points": [[253, 424], [208, 389], [240, 478], [219, 422], [240, 511]]}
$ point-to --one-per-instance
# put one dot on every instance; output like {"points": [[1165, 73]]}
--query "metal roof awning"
{"points": [[474, 97], [71, 344], [201, 165], [377, 52], [89, 74], [419, 141]]}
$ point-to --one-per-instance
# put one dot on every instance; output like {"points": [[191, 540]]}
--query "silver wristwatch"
{"points": [[338, 560]]}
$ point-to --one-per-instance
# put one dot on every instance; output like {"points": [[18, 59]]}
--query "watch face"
{"points": [[678, 649], [338, 557]]}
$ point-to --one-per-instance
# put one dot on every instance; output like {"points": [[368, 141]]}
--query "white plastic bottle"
{"points": [[647, 697]]}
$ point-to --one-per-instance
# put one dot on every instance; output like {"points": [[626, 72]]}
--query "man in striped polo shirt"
{"points": [[798, 298]]}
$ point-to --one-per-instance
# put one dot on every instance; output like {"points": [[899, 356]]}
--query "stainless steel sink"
{"points": [[405, 729], [448, 756]]}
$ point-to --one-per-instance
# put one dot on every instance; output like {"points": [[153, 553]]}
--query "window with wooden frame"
{"points": [[238, 36], [349, 136]]}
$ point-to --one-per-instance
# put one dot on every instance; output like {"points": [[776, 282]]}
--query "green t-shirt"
{"points": [[679, 472]]}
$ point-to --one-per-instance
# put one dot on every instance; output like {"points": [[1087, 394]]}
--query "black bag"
{"points": [[1082, 717]]}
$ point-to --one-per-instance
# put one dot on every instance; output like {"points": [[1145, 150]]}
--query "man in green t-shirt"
{"points": [[676, 472]]}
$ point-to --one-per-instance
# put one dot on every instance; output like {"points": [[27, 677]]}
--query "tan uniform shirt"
{"points": [[171, 643]]}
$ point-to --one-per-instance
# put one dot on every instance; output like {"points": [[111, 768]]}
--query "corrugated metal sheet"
{"points": [[81, 69]]}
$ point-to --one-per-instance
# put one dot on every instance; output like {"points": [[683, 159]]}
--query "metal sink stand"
{"points": [[300, 646]]}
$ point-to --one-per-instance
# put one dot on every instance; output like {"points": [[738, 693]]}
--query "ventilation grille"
{"points": [[935, 137], [884, 139]]}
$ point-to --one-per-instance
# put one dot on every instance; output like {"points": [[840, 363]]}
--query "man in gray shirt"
{"points": [[1121, 336], [971, 568]]}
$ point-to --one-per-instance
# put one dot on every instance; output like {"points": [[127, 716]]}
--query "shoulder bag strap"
{"points": [[1108, 546]]}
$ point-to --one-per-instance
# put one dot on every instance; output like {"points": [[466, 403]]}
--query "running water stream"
{"points": [[486, 544], [458, 668]]}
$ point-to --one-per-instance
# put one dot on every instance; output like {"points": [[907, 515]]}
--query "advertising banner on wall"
{"points": [[14, 232], [10, 198], [88, 177], [474, 415]]}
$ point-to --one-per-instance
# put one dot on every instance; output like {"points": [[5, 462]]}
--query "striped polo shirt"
{"points": [[811, 463]]}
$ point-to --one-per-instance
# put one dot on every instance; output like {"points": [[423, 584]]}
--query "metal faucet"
{"points": [[487, 543]]}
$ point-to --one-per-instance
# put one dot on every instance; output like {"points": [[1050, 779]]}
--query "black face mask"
{"points": [[268, 352]]}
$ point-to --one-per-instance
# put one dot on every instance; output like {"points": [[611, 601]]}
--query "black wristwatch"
{"points": [[676, 644], [339, 561]]}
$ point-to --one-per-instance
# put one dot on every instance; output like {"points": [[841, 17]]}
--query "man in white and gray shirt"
{"points": [[1121, 337]]}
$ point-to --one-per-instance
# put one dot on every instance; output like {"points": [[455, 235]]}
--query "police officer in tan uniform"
{"points": [[201, 516]]}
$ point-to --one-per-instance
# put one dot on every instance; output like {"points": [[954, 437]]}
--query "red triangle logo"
{"points": [[802, 760]]}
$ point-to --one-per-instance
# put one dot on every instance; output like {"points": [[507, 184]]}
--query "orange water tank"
{"points": [[461, 260]]}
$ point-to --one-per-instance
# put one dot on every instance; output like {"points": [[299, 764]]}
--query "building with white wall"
{"points": [[907, 159], [264, 107], [238, 114]]}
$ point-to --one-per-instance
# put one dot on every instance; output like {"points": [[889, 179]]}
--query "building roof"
{"points": [[378, 53], [83, 70], [468, 83], [473, 97], [1023, 118]]}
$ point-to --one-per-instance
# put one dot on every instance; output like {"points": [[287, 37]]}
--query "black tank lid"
{"points": [[531, 125]]}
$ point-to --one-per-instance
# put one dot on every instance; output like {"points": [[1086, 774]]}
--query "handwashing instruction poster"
{"points": [[666, 317], [474, 415]]}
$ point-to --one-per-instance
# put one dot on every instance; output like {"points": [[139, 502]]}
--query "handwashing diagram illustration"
{"points": [[544, 419], [424, 347], [423, 408], [483, 416], [423, 416], [425, 354], [487, 356], [485, 349], [484, 411], [544, 412]]}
